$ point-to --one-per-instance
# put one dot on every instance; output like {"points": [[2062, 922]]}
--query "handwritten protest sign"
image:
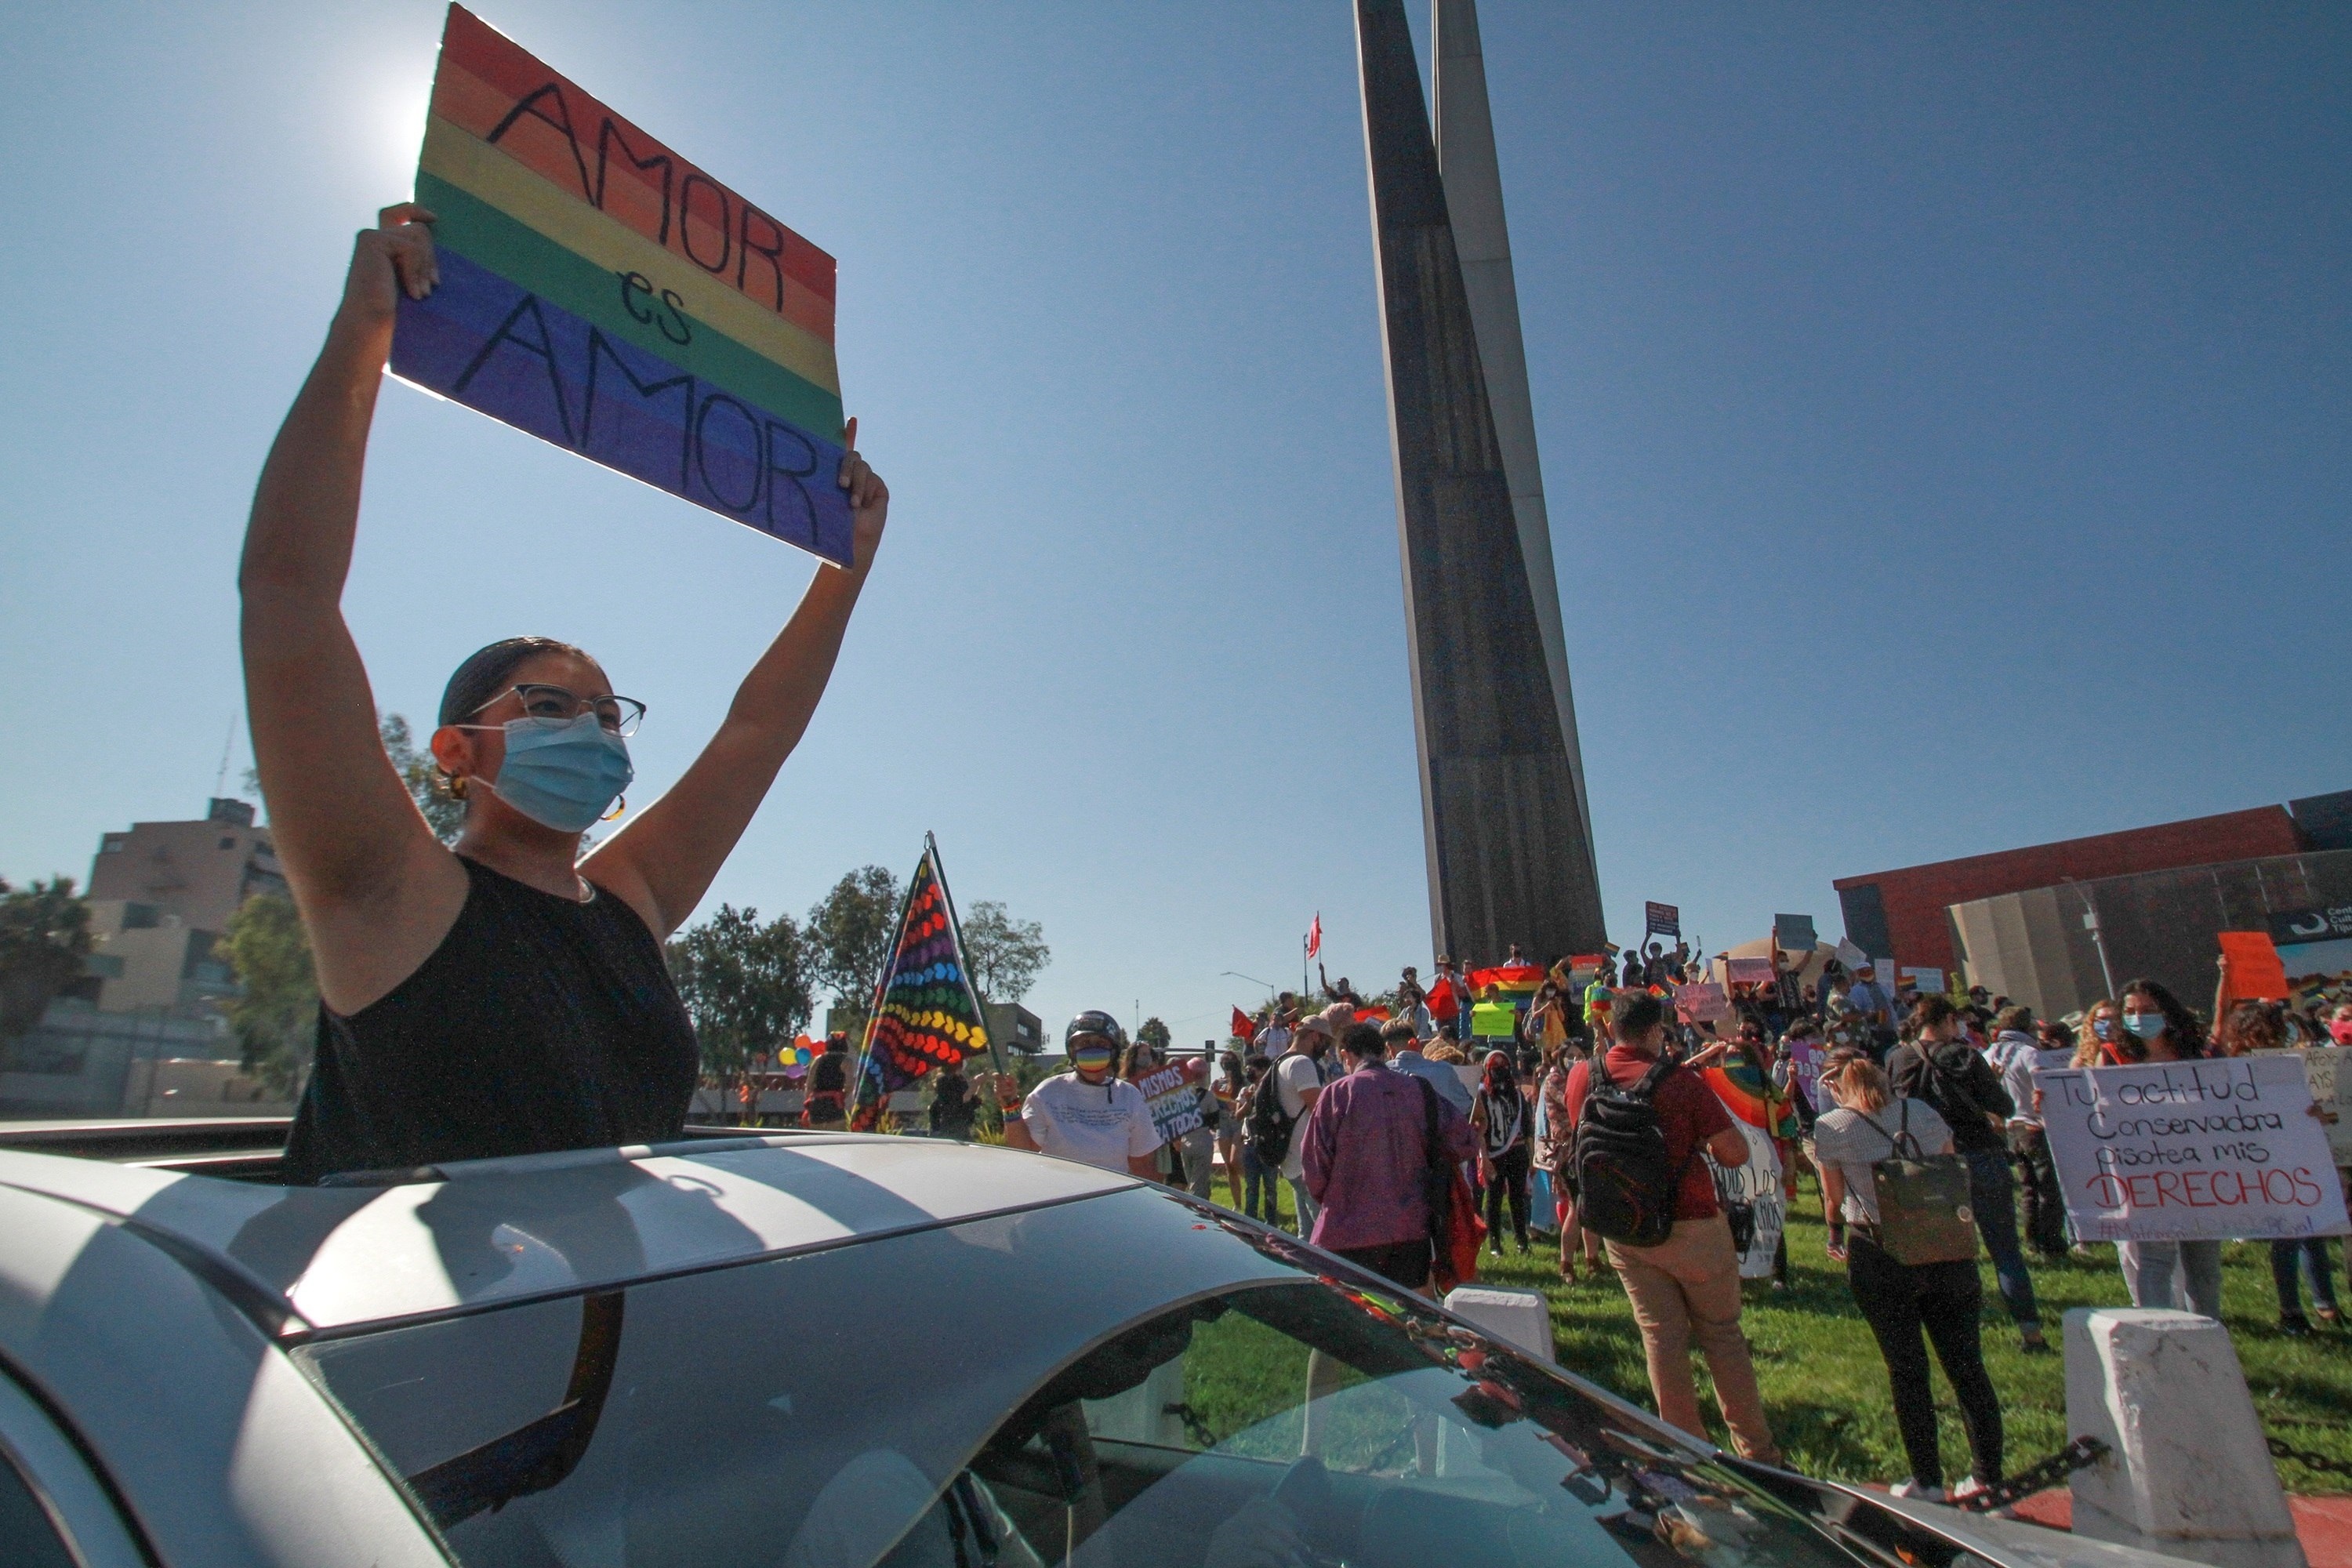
{"points": [[602, 293], [1662, 919], [1756, 1184], [1749, 971], [1701, 1002], [2192, 1150], [1793, 933], [1175, 1106], [2328, 1088], [1805, 1058]]}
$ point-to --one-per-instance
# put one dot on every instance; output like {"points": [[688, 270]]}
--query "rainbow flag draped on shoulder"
{"points": [[604, 294], [925, 1014]]}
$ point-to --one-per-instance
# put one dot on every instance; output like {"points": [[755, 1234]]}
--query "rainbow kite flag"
{"points": [[926, 1014], [602, 293]]}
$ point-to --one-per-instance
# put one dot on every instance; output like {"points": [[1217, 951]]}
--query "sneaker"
{"points": [[1915, 1491], [2035, 1344], [2294, 1324]]}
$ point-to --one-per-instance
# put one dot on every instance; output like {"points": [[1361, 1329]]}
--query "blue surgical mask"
{"points": [[2103, 1028], [563, 773], [2146, 1026]]}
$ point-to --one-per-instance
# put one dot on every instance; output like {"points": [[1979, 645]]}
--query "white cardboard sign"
{"points": [[2192, 1150]]}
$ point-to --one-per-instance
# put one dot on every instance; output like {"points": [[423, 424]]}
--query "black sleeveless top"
{"points": [[540, 1023]]}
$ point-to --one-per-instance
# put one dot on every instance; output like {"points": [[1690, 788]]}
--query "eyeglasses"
{"points": [[621, 715]]}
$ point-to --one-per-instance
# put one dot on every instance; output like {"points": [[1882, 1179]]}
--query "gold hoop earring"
{"points": [[619, 806], [457, 786]]}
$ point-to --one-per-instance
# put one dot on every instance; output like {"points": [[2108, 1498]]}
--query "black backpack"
{"points": [[1268, 1128], [1625, 1182]]}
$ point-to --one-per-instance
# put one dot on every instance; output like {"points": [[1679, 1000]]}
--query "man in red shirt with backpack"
{"points": [[1642, 1186]]}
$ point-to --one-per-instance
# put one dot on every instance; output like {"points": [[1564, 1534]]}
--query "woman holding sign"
{"points": [[2156, 1027], [500, 995]]}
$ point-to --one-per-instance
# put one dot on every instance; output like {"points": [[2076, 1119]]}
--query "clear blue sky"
{"points": [[1944, 410]]}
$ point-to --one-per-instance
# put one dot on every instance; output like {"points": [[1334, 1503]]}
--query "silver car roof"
{"points": [[315, 1260]]}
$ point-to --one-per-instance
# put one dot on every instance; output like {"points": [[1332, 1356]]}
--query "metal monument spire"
{"points": [[1503, 818]]}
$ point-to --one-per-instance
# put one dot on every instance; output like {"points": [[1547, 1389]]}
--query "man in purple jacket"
{"points": [[1365, 1162]]}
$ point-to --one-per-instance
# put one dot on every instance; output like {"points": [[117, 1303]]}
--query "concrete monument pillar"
{"points": [[1504, 821]]}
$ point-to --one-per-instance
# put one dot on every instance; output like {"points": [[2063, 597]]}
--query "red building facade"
{"points": [[1900, 914]]}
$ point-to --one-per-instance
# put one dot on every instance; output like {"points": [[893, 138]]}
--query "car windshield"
{"points": [[1126, 1382]]}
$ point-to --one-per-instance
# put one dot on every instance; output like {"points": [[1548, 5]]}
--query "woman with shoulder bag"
{"points": [[1871, 1126]]}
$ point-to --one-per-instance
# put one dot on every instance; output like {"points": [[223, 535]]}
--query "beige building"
{"points": [[199, 871]]}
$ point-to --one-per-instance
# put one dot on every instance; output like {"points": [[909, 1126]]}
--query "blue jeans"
{"points": [[2162, 1273], [1256, 1180], [1308, 1207], [2317, 1265], [1992, 1192]]}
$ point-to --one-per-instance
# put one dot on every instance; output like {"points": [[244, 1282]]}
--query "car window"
{"points": [[717, 1417], [1301, 1424], [24, 1524], [1127, 1382]]}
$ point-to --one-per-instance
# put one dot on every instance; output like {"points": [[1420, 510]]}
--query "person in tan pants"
{"points": [[1685, 1289]]}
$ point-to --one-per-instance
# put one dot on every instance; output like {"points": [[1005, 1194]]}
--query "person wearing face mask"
{"points": [[500, 995], [1087, 1113], [2179, 1275]]}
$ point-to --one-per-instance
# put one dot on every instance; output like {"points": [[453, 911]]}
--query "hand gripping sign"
{"points": [[2192, 1150], [602, 293]]}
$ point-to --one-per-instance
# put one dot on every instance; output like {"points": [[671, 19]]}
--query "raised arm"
{"points": [[358, 853], [662, 862]]}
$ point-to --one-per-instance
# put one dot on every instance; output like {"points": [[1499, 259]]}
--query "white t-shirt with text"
{"points": [[1103, 1124]]}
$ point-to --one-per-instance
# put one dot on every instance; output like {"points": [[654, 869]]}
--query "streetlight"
{"points": [[1251, 978]]}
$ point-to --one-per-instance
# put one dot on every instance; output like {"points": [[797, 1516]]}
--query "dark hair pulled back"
{"points": [[479, 681]]}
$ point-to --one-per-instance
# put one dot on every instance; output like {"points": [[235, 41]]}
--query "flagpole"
{"points": [[874, 1007]]}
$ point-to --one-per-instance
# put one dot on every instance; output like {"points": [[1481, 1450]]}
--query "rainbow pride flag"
{"points": [[1516, 982], [926, 1014], [602, 293]]}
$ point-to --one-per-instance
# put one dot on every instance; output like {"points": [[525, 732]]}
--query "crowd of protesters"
{"points": [[1347, 1119]]}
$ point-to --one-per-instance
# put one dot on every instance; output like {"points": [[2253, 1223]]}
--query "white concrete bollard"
{"points": [[1519, 1317], [2190, 1474]]}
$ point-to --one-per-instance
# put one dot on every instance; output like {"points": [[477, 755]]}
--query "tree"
{"points": [[1005, 955], [744, 984], [1154, 1033], [277, 1016], [444, 813], [848, 934], [43, 935]]}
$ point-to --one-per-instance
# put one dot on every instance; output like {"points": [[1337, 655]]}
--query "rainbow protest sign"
{"points": [[602, 293], [926, 1014]]}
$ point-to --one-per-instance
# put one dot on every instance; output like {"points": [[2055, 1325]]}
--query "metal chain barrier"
{"points": [[2077, 1455], [2321, 1463]]}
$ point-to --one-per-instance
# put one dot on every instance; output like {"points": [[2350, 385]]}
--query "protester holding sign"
{"points": [[1902, 1301], [434, 1043], [2160, 1273]]}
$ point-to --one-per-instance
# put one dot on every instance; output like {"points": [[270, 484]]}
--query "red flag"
{"points": [[1314, 936], [1243, 1030]]}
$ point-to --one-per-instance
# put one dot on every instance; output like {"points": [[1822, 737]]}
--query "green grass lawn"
{"points": [[1825, 1386]]}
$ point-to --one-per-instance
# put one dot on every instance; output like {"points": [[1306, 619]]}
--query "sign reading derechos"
{"points": [[2192, 1150]]}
